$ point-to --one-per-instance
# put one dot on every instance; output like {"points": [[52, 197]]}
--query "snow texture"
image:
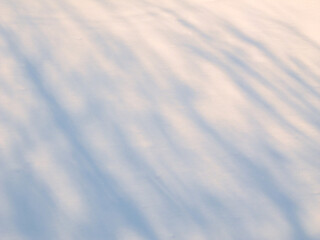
{"points": [[173, 119]]}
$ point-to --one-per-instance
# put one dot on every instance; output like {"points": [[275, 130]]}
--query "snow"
{"points": [[170, 119]]}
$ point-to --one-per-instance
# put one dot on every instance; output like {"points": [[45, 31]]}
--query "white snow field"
{"points": [[159, 120]]}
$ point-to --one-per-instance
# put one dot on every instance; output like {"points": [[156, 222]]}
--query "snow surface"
{"points": [[172, 119]]}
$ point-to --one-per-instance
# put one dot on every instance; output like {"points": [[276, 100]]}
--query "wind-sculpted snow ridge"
{"points": [[172, 119]]}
